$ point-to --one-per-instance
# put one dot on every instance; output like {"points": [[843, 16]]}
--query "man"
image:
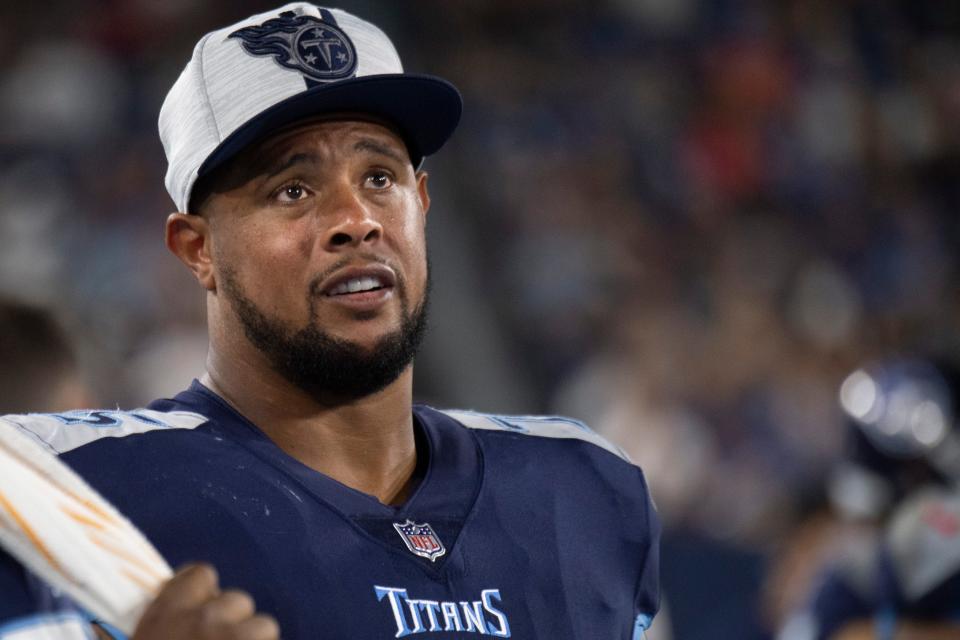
{"points": [[298, 465]]}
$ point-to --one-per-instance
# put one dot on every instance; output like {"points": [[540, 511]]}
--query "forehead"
{"points": [[330, 137]]}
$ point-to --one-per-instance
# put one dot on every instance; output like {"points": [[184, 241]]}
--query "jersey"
{"points": [[30, 610], [523, 527]]}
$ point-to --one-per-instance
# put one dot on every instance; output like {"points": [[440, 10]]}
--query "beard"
{"points": [[328, 368]]}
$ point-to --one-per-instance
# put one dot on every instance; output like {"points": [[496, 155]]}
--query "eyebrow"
{"points": [[282, 165], [364, 144], [369, 144]]}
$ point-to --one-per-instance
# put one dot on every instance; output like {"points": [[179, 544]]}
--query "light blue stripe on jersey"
{"points": [[63, 432], [109, 629], [640, 625], [543, 426], [48, 626]]}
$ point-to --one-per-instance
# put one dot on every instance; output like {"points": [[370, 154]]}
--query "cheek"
{"points": [[413, 224], [420, 267], [413, 230], [261, 258], [278, 243]]}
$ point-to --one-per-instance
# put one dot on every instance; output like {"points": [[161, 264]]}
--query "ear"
{"points": [[422, 192], [188, 238]]}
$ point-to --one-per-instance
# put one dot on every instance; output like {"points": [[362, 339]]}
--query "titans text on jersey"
{"points": [[426, 616]]}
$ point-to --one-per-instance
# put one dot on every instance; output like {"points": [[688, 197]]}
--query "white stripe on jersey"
{"points": [[543, 426], [62, 432]]}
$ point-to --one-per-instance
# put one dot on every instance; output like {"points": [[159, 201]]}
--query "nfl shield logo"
{"points": [[420, 539]]}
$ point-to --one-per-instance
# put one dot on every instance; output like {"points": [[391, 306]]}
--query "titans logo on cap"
{"points": [[316, 48]]}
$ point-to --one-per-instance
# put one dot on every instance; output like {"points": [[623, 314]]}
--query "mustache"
{"points": [[363, 258]]}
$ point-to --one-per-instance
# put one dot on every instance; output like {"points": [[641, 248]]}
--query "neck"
{"points": [[367, 443]]}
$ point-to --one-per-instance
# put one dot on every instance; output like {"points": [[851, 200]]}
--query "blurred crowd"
{"points": [[682, 221]]}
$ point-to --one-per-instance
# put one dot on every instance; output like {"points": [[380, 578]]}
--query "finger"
{"points": [[192, 585], [228, 607], [259, 627]]}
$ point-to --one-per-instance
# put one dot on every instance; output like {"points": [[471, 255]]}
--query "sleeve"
{"points": [[31, 611], [647, 599]]}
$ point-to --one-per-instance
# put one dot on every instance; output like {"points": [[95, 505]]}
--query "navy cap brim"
{"points": [[424, 109]]}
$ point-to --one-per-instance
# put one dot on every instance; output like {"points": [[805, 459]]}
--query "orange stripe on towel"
{"points": [[28, 530]]}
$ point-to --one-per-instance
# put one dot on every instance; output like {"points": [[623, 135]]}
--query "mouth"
{"points": [[357, 285], [360, 285]]}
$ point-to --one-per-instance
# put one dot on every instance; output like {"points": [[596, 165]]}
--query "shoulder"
{"points": [[923, 541], [551, 453], [558, 469], [64, 432], [534, 428]]}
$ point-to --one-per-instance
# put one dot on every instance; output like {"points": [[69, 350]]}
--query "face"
{"points": [[319, 257]]}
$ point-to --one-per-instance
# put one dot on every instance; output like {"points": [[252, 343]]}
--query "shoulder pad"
{"points": [[923, 541], [543, 426], [63, 432]]}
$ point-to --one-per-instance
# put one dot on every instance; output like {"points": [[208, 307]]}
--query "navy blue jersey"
{"points": [[519, 527], [30, 610], [839, 599]]}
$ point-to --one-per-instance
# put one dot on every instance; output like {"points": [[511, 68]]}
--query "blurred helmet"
{"points": [[901, 418]]}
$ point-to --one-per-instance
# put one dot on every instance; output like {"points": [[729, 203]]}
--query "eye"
{"points": [[291, 193], [379, 180]]}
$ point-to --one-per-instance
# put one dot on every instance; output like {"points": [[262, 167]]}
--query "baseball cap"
{"points": [[283, 66]]}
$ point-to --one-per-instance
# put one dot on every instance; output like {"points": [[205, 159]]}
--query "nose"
{"points": [[353, 224]]}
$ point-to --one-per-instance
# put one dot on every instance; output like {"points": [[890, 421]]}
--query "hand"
{"points": [[191, 605]]}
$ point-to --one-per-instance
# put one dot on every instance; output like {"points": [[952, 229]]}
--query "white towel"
{"points": [[64, 532]]}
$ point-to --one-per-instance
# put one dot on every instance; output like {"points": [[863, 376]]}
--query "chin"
{"points": [[365, 334]]}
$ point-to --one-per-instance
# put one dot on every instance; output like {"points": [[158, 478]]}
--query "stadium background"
{"points": [[683, 221]]}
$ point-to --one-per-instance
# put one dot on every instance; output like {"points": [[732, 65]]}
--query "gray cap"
{"points": [[276, 68]]}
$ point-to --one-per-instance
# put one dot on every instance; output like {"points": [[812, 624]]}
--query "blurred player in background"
{"points": [[298, 464], [39, 370], [897, 577]]}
